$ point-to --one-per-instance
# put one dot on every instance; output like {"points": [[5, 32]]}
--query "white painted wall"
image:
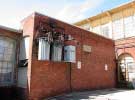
{"points": [[24, 54], [22, 77]]}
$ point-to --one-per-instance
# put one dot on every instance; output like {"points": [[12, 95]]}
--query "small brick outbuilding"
{"points": [[93, 65], [55, 57]]}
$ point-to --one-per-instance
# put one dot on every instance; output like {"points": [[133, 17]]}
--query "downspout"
{"points": [[17, 60]]}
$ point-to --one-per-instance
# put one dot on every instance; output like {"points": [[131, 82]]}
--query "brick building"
{"points": [[118, 24], [49, 57]]}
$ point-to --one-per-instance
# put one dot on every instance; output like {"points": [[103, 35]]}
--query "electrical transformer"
{"points": [[56, 54], [44, 49], [70, 53]]}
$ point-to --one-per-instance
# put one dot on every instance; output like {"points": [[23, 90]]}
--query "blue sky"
{"points": [[13, 11]]}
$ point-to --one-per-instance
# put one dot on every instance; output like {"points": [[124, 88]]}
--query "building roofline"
{"points": [[115, 9], [25, 18], [40, 14], [10, 29]]}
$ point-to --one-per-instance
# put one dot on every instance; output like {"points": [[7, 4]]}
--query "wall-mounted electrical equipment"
{"points": [[56, 50], [68, 37], [70, 53], [23, 63], [44, 49], [87, 48], [79, 65]]}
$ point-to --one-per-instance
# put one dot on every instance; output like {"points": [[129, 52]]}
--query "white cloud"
{"points": [[12, 15], [66, 10], [75, 12]]}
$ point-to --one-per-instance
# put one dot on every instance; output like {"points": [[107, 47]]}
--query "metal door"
{"points": [[126, 71]]}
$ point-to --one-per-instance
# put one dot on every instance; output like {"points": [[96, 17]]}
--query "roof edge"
{"points": [[10, 29], [40, 14], [99, 14]]}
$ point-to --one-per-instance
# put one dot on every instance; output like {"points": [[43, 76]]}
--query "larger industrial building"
{"points": [[48, 57], [117, 24]]}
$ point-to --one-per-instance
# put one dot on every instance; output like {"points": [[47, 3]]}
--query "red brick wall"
{"points": [[28, 30], [93, 74], [53, 78], [124, 46]]}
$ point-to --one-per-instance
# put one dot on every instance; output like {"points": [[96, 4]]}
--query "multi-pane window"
{"points": [[7, 60], [96, 29], [127, 65], [105, 30], [118, 29], [128, 26]]}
